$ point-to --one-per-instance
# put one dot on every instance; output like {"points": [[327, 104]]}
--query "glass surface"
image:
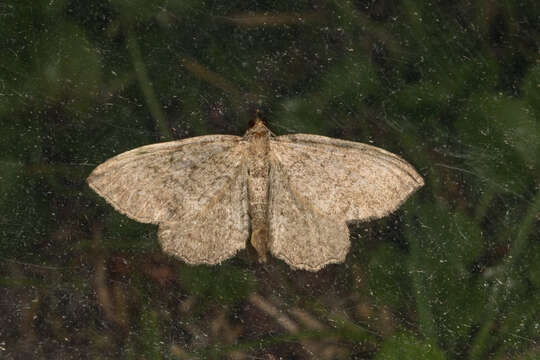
{"points": [[452, 87]]}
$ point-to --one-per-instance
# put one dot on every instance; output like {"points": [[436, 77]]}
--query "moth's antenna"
{"points": [[259, 116]]}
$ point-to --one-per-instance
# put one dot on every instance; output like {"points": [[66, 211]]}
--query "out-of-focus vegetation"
{"points": [[452, 86]]}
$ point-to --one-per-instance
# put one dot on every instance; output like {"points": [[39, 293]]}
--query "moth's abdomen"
{"points": [[258, 185]]}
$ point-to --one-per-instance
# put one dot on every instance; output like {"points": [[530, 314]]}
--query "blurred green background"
{"points": [[452, 86]]}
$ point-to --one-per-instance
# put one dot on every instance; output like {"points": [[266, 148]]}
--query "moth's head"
{"points": [[257, 127]]}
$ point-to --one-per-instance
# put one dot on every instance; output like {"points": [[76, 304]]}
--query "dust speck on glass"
{"points": [[295, 192]]}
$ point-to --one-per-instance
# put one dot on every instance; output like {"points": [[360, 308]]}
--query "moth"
{"points": [[292, 193]]}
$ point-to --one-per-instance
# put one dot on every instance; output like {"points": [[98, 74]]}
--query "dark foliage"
{"points": [[452, 86]]}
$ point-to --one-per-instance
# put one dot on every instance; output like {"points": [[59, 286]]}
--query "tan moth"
{"points": [[293, 193]]}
